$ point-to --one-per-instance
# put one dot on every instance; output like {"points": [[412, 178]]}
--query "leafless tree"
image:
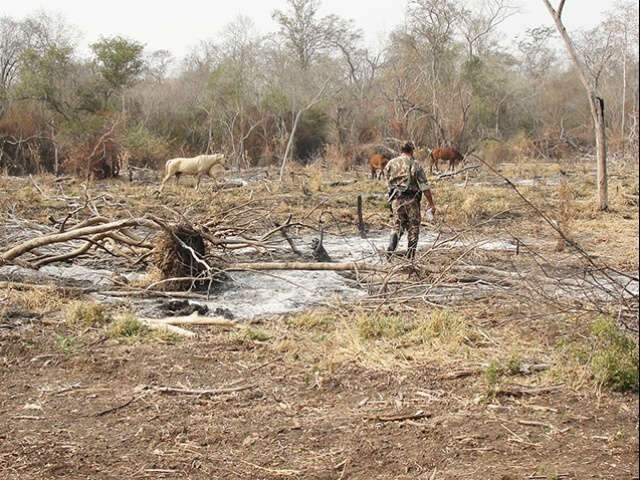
{"points": [[478, 24], [314, 101], [310, 35], [596, 102]]}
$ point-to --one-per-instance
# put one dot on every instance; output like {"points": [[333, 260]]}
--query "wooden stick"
{"points": [[361, 226], [219, 391], [517, 391], [195, 319], [442, 176], [400, 418]]}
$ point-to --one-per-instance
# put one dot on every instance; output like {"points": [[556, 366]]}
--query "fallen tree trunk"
{"points": [[30, 245], [197, 320], [166, 327], [301, 266]]}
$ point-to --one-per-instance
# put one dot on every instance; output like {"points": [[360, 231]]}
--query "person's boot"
{"points": [[393, 244], [411, 251]]}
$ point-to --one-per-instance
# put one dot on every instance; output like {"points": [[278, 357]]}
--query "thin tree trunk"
{"points": [[596, 104], [292, 135], [56, 157], [601, 153], [296, 121], [623, 123]]}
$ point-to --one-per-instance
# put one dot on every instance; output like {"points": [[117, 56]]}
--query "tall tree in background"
{"points": [[622, 24], [120, 63], [596, 103], [309, 35]]}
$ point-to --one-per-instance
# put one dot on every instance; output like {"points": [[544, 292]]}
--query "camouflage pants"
{"points": [[407, 217]]}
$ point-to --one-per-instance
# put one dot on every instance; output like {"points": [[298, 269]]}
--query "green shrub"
{"points": [[615, 359], [372, 327], [514, 365], [146, 148], [254, 335], [492, 374], [127, 326], [66, 344]]}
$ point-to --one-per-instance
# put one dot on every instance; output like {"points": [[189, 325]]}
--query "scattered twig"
{"points": [[399, 418], [203, 393]]}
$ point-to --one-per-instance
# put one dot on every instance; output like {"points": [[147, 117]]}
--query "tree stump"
{"points": [[180, 258]]}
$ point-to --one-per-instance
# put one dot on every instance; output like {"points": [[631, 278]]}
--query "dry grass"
{"points": [[380, 341], [39, 301], [86, 314]]}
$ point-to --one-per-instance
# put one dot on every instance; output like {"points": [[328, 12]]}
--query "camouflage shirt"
{"points": [[406, 175]]}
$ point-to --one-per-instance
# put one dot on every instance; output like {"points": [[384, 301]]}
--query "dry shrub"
{"points": [[23, 146], [523, 146], [314, 177], [174, 260], [384, 340], [338, 159], [480, 205], [86, 314], [21, 122], [98, 158], [497, 153]]}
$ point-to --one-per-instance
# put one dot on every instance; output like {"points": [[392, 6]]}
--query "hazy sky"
{"points": [[176, 26]]}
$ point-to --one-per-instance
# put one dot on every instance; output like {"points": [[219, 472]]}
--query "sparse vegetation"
{"points": [[127, 327], [492, 375], [68, 345], [496, 345], [377, 327], [86, 314], [603, 355], [253, 335], [614, 358]]}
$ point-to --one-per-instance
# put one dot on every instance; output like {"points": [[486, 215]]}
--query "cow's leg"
{"points": [[199, 177], [164, 180]]}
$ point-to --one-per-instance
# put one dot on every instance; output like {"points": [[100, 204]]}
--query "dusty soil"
{"points": [[314, 395], [94, 413]]}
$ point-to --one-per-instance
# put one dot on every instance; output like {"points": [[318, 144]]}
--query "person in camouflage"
{"points": [[407, 184]]}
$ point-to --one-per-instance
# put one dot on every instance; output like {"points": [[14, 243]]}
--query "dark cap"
{"points": [[408, 148]]}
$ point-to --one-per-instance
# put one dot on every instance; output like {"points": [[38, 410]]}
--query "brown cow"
{"points": [[376, 164], [450, 155]]}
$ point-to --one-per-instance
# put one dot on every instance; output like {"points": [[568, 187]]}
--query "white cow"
{"points": [[198, 166]]}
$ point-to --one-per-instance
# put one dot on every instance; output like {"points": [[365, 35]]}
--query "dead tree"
{"points": [[596, 104], [296, 122]]}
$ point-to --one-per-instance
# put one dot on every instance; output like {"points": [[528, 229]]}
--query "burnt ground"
{"points": [[315, 397], [94, 410]]}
